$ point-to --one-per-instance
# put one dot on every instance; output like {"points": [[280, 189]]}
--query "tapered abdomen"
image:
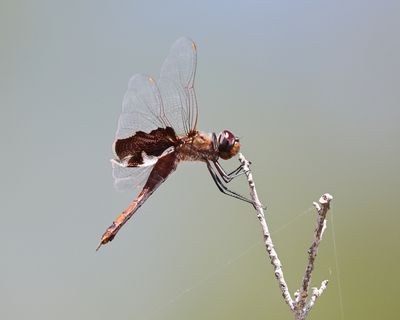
{"points": [[163, 168]]}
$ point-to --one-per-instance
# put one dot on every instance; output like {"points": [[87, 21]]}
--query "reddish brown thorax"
{"points": [[197, 146]]}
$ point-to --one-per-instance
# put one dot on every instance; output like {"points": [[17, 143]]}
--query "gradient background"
{"points": [[311, 87]]}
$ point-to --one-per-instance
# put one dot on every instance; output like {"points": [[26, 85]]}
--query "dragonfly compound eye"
{"points": [[228, 144]]}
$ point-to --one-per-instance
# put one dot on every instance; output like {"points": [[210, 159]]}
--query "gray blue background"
{"points": [[312, 89]]}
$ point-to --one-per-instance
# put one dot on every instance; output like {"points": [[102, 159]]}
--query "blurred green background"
{"points": [[312, 89]]}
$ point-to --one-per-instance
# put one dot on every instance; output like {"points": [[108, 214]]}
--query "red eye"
{"points": [[226, 139], [228, 144]]}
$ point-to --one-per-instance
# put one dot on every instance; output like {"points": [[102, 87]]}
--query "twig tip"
{"points": [[325, 198]]}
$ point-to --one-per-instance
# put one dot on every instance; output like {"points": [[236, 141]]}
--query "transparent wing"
{"points": [[129, 178], [176, 84], [141, 107], [171, 101]]}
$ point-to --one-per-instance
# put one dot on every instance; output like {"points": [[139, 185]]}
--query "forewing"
{"points": [[172, 102], [141, 107], [176, 84]]}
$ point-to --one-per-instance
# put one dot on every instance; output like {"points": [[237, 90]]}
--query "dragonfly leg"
{"points": [[223, 188], [228, 177]]}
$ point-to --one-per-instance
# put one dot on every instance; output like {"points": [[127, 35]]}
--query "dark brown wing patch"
{"points": [[152, 144]]}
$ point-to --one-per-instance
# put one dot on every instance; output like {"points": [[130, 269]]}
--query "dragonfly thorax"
{"points": [[199, 146]]}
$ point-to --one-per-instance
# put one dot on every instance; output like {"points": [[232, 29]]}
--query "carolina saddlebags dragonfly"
{"points": [[157, 129]]}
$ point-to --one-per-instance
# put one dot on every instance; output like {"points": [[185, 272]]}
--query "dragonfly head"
{"points": [[228, 145]]}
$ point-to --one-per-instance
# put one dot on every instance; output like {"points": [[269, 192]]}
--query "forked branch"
{"points": [[300, 307]]}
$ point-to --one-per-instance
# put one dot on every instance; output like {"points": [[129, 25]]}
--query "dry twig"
{"points": [[300, 307]]}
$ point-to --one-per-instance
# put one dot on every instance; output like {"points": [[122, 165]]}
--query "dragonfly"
{"points": [[157, 129]]}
